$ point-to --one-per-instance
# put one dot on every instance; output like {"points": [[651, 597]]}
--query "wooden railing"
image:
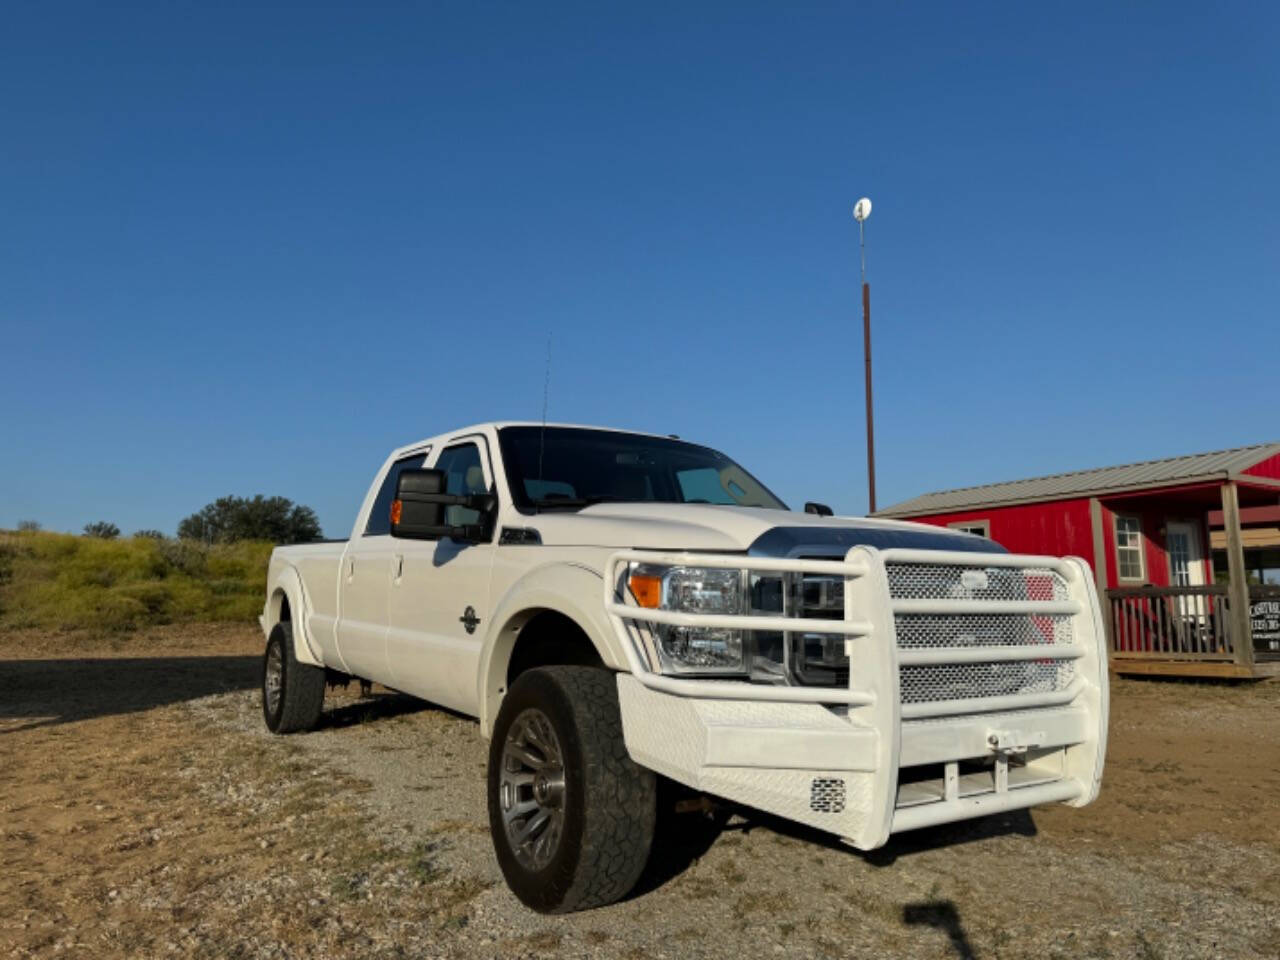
{"points": [[1170, 623]]}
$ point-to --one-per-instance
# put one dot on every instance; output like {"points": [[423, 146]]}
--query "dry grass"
{"points": [[54, 580]]}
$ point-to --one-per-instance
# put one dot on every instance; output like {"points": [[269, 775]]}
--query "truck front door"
{"points": [[440, 594]]}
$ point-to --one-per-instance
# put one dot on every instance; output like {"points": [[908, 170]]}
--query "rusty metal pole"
{"points": [[860, 213], [871, 429]]}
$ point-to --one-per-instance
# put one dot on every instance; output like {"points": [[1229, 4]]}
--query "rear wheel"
{"points": [[572, 815], [292, 692]]}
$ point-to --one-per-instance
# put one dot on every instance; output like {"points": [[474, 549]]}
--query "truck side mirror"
{"points": [[417, 513], [819, 509]]}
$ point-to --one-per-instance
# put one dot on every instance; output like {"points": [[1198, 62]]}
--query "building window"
{"points": [[979, 528], [1129, 548]]}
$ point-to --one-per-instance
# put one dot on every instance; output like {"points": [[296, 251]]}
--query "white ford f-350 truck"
{"points": [[616, 606]]}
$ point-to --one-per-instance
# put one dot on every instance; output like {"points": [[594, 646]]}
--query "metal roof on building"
{"points": [[1131, 476]]}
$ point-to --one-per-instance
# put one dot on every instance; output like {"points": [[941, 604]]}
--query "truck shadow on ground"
{"points": [[684, 838], [375, 706], [51, 692], [1013, 823]]}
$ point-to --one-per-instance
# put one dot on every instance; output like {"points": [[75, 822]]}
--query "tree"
{"points": [[28, 526], [148, 535], [102, 530], [228, 519]]}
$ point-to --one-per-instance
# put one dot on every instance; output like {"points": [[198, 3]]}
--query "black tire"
{"points": [[300, 685], [607, 803]]}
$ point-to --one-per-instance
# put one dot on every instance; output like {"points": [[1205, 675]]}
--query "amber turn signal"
{"points": [[646, 589], [396, 507]]}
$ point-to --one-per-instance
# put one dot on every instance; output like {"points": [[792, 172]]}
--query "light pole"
{"points": [[861, 211]]}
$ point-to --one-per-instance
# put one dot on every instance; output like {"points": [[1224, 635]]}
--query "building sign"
{"points": [[1264, 620]]}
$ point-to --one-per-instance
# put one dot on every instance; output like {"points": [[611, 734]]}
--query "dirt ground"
{"points": [[144, 812]]}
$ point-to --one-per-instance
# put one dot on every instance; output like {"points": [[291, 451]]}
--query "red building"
{"points": [[1185, 551]]}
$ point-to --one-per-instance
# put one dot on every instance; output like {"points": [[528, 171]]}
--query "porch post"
{"points": [[1238, 591], [1100, 570]]}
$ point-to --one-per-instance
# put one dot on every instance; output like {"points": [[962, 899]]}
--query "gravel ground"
{"points": [[369, 838]]}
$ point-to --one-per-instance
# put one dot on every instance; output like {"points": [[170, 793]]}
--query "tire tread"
{"points": [[619, 797], [303, 689]]}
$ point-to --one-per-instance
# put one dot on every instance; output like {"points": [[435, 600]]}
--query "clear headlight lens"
{"points": [[705, 590]]}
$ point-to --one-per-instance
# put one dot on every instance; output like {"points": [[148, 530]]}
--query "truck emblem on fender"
{"points": [[469, 619]]}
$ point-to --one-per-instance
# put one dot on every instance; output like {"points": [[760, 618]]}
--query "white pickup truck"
{"points": [[617, 606]]}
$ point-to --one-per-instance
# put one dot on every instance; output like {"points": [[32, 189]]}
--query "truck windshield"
{"points": [[571, 467]]}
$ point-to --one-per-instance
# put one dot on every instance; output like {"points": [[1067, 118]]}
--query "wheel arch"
{"points": [[551, 594], [287, 602]]}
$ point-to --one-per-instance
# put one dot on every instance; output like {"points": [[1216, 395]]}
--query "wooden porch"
{"points": [[1229, 630], [1188, 631]]}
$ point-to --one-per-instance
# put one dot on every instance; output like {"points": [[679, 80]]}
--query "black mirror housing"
{"points": [[819, 509], [417, 513]]}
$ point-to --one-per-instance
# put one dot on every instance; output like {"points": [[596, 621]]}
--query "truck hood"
{"points": [[696, 526]]}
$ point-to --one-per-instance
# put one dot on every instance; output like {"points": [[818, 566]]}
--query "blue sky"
{"points": [[248, 249]]}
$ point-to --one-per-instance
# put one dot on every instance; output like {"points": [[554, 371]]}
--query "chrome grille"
{"points": [[816, 657]]}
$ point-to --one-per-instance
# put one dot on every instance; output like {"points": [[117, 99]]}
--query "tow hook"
{"points": [[1010, 745], [1006, 742]]}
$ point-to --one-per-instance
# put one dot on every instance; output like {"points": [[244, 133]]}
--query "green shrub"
{"points": [[230, 519], [67, 582], [102, 530]]}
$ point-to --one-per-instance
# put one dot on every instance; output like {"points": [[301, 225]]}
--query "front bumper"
{"points": [[857, 761]]}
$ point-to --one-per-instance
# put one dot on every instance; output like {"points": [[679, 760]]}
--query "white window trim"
{"points": [[1142, 552], [969, 526]]}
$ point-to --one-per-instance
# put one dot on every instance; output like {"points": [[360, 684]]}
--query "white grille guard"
{"points": [[769, 764], [858, 564]]}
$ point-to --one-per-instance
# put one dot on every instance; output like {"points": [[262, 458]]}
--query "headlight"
{"points": [[705, 590]]}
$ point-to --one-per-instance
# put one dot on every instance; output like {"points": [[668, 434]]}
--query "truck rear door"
{"points": [[364, 583]]}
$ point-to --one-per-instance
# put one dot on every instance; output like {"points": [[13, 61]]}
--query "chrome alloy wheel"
{"points": [[531, 789], [273, 678]]}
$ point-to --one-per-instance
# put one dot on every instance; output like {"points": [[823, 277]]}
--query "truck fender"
{"points": [[570, 589], [288, 583]]}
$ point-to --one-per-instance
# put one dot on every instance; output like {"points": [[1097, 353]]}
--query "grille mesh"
{"points": [[930, 683], [925, 684], [997, 630], [920, 581]]}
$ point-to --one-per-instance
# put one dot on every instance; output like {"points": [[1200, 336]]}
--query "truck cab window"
{"points": [[379, 522], [463, 474]]}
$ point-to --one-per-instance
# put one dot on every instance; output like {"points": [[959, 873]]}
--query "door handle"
{"points": [[399, 565], [351, 569]]}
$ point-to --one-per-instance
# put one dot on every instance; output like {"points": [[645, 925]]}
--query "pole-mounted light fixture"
{"points": [[861, 212]]}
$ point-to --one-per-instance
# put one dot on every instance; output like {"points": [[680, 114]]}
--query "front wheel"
{"points": [[572, 815], [292, 692]]}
